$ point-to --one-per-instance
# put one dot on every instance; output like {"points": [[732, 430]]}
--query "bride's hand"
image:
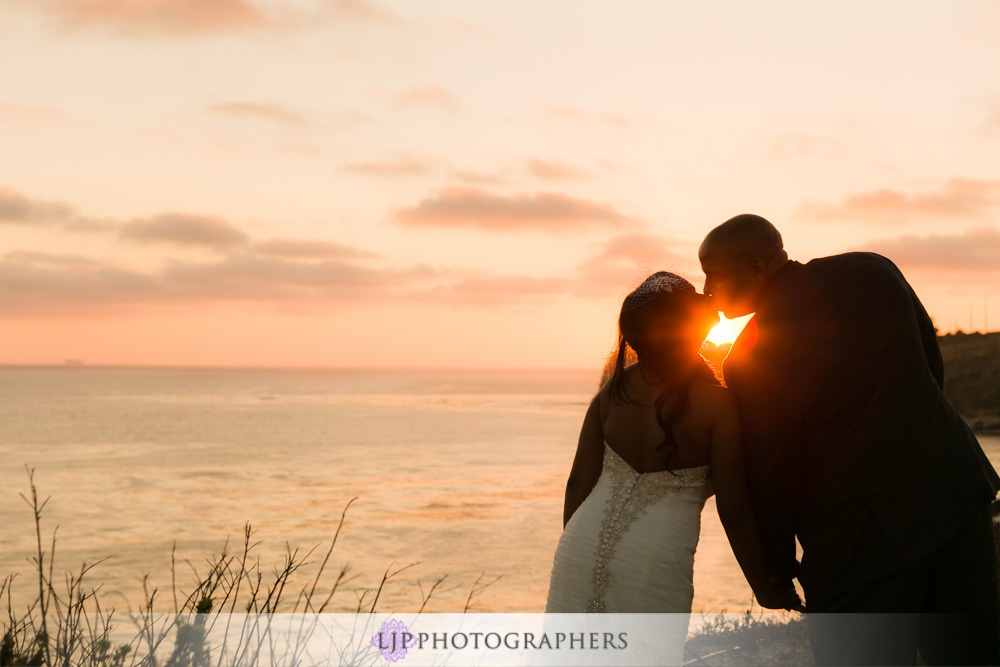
{"points": [[782, 595]]}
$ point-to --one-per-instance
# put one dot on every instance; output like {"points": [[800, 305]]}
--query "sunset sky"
{"points": [[466, 183]]}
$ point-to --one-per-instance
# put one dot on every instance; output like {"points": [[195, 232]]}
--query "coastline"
{"points": [[986, 425]]}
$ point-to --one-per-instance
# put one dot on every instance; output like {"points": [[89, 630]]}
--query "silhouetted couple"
{"points": [[832, 428]]}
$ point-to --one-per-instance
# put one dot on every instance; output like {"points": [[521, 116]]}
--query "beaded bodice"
{"points": [[631, 494]]}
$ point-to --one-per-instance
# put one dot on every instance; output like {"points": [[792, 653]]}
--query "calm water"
{"points": [[459, 472]]}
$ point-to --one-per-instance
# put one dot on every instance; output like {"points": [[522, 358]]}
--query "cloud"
{"points": [[491, 289], [972, 251], [184, 229], [17, 113], [15, 208], [168, 17], [34, 258], [622, 262], [249, 278], [480, 178], [616, 266], [358, 10], [34, 284], [311, 275], [546, 211], [434, 96], [959, 198], [993, 122], [302, 149], [267, 112], [554, 171], [308, 249], [579, 115], [194, 18], [388, 168], [645, 248]]}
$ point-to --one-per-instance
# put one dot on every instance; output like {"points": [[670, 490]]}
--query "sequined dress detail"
{"points": [[630, 545]]}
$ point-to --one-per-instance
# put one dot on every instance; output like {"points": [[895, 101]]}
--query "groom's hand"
{"points": [[782, 595]]}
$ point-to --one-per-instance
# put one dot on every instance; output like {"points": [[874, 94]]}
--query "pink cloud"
{"points": [[184, 229], [355, 10], [555, 171], [429, 95], [484, 289], [189, 18], [622, 262], [993, 122], [616, 266], [34, 284], [43, 259], [15, 208], [176, 17], [30, 114], [249, 110], [579, 115], [957, 199], [305, 275], [308, 249], [251, 278], [648, 248], [479, 178], [388, 168], [311, 272], [471, 207], [971, 251]]}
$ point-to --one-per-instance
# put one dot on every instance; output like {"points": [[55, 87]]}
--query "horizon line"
{"points": [[185, 366]]}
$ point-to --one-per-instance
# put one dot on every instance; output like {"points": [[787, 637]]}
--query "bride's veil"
{"points": [[643, 271]]}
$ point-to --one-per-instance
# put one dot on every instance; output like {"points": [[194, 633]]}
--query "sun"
{"points": [[727, 330]]}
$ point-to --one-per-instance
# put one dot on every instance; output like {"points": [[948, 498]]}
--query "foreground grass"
{"points": [[68, 626], [750, 639]]}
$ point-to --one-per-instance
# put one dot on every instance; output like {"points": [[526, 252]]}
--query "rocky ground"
{"points": [[972, 377]]}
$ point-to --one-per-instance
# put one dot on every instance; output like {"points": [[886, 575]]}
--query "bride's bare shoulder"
{"points": [[631, 376]]}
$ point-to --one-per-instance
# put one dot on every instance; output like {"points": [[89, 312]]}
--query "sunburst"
{"points": [[727, 330]]}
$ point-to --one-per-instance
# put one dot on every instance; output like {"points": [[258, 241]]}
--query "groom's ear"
{"points": [[758, 269]]}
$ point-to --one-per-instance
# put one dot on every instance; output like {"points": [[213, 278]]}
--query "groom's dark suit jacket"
{"points": [[850, 442]]}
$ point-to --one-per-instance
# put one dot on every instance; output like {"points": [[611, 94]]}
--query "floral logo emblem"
{"points": [[392, 640]]}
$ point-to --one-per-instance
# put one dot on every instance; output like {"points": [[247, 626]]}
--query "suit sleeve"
{"points": [[928, 334], [770, 431], [770, 484], [932, 350]]}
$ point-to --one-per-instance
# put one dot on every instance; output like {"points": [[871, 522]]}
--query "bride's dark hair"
{"points": [[662, 305]]}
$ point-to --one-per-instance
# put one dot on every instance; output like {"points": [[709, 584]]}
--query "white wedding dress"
{"points": [[629, 548]]}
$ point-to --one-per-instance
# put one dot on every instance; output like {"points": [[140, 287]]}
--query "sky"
{"points": [[467, 183]]}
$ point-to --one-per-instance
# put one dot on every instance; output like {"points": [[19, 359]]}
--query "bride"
{"points": [[660, 436]]}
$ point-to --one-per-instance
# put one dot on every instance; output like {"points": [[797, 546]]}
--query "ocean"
{"points": [[455, 473]]}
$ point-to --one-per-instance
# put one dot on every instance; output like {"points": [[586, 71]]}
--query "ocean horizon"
{"points": [[459, 472]]}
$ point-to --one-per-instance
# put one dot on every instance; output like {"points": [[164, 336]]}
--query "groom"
{"points": [[852, 448]]}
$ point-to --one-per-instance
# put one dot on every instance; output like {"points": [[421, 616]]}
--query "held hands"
{"points": [[781, 594]]}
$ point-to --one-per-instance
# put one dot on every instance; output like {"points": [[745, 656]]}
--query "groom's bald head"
{"points": [[737, 257], [746, 236]]}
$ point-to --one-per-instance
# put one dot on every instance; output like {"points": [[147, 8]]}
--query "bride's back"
{"points": [[632, 430]]}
